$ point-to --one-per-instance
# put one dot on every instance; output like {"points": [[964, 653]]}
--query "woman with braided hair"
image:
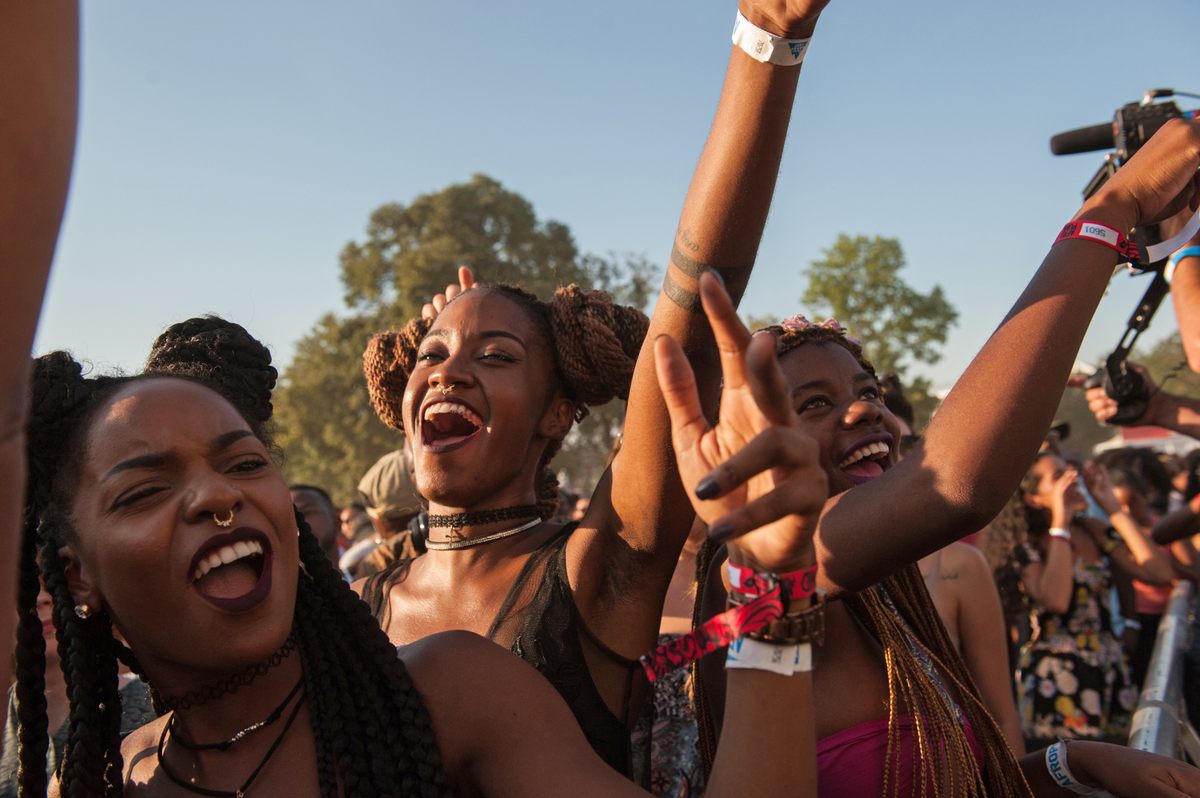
{"points": [[158, 512], [896, 710], [485, 391]]}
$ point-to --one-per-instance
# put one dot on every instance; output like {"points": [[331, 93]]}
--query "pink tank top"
{"points": [[850, 762]]}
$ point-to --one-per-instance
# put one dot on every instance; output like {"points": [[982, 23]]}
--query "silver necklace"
{"points": [[466, 543]]}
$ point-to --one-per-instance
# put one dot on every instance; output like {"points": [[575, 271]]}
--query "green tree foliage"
{"points": [[324, 421], [858, 282]]}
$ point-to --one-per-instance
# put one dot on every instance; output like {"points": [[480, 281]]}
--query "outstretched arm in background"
{"points": [[988, 429], [39, 71]]}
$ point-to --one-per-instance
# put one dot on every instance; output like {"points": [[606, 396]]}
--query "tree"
{"points": [[324, 421], [858, 282]]}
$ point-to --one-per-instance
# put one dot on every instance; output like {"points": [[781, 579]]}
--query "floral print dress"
{"points": [[1073, 680]]}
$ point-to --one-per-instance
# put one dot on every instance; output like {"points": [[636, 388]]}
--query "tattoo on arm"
{"points": [[691, 266], [688, 300]]}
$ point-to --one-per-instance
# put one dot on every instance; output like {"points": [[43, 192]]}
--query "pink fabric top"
{"points": [[850, 762]]}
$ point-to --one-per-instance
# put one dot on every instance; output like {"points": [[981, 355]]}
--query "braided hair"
{"points": [[595, 344], [900, 614], [372, 731]]}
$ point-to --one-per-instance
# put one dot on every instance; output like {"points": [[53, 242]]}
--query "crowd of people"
{"points": [[766, 592]]}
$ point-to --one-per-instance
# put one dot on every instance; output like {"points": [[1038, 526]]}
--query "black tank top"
{"points": [[539, 616]]}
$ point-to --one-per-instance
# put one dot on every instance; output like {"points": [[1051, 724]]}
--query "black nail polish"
{"points": [[708, 488], [720, 532]]}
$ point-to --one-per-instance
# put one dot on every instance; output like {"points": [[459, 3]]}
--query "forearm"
{"points": [[1185, 294], [1151, 565], [1052, 589], [1178, 413], [1000, 407], [720, 227], [38, 92], [1178, 525], [768, 741]]}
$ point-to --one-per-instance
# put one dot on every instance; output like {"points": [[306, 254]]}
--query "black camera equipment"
{"points": [[1132, 126]]}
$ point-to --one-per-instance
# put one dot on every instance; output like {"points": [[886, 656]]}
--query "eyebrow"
{"points": [[159, 459], [484, 334], [861, 376]]}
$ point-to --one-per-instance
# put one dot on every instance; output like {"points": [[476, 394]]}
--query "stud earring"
{"points": [[83, 610], [224, 523]]}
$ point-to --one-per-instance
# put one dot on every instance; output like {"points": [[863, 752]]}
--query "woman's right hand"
{"points": [[758, 481], [791, 19]]}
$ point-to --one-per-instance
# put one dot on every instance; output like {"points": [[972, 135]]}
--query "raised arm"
{"points": [[719, 229], [39, 71], [988, 429], [1164, 409]]}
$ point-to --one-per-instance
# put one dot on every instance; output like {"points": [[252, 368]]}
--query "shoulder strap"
{"points": [[535, 557]]}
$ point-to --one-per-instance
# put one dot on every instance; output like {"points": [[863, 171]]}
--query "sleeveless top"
{"points": [[540, 618]]}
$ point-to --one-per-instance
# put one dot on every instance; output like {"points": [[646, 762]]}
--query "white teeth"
{"points": [[453, 407], [864, 452], [226, 555]]}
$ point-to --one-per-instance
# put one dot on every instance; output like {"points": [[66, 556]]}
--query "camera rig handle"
{"points": [[1120, 382]]}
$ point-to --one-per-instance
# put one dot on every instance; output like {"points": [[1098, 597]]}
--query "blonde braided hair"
{"points": [[595, 344]]}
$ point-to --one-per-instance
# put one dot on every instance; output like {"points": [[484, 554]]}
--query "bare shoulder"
{"points": [[966, 559], [138, 750]]}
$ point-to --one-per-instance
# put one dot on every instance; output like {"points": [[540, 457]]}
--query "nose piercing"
{"points": [[224, 523], [446, 390]]}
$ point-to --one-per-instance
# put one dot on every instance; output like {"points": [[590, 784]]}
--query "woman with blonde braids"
{"points": [[487, 390], [896, 711]]}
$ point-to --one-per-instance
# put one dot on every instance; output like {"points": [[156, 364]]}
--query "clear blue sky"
{"points": [[229, 150]]}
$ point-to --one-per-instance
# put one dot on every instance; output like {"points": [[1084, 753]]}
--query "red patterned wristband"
{"points": [[799, 584], [1103, 234]]}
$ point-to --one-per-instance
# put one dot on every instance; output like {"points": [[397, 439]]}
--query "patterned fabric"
{"points": [[676, 767], [1073, 681]]}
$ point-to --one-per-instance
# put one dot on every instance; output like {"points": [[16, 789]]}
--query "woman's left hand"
{"points": [[1095, 477], [1125, 771], [756, 470]]}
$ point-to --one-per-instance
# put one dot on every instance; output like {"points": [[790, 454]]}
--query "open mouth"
{"points": [[233, 571], [867, 460], [448, 425]]}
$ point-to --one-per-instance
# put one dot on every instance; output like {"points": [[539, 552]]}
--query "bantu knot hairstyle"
{"points": [[372, 730], [595, 344]]}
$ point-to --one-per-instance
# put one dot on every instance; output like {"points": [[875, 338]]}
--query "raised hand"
{"points": [[1104, 407], [1125, 771], [792, 19], [466, 279], [758, 483], [1160, 180], [1065, 499]]}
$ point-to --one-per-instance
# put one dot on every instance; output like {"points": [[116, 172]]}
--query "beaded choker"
{"points": [[462, 520], [230, 684]]}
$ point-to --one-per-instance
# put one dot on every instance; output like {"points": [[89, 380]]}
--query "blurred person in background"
{"points": [[321, 514], [392, 503], [1074, 681]]}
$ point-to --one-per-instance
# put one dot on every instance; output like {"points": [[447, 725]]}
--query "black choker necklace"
{"points": [[240, 792], [229, 684], [225, 745], [462, 520]]}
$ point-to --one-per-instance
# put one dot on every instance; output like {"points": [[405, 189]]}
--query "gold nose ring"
{"points": [[224, 523], [446, 390]]}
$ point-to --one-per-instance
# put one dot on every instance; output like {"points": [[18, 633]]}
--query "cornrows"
{"points": [[595, 344], [371, 729]]}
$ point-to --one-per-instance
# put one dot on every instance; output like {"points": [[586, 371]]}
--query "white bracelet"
{"points": [[1059, 532], [767, 47], [1056, 764], [760, 656]]}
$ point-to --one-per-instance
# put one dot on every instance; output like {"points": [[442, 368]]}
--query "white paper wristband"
{"points": [[760, 656], [1059, 532], [767, 47], [1056, 764]]}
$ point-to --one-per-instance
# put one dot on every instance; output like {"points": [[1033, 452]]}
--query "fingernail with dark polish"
{"points": [[708, 488], [720, 532]]}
